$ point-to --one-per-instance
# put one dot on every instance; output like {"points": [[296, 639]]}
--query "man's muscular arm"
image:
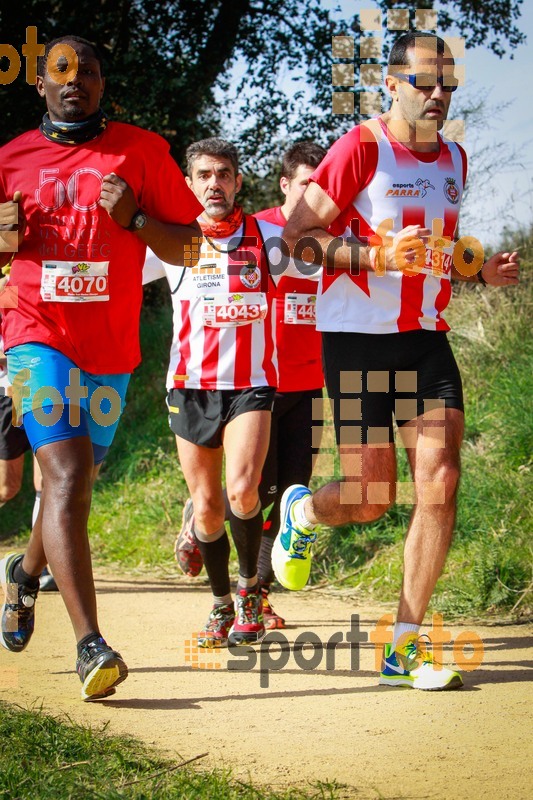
{"points": [[167, 240], [310, 219], [314, 214], [173, 243]]}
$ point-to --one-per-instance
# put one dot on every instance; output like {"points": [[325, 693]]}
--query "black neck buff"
{"points": [[74, 132]]}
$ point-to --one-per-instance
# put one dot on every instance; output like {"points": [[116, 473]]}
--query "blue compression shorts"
{"points": [[56, 400]]}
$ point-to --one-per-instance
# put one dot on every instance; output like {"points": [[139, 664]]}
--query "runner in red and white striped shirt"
{"points": [[223, 328], [222, 381], [393, 187], [290, 452]]}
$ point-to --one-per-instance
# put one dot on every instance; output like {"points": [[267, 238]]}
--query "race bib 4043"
{"points": [[224, 310], [75, 281]]}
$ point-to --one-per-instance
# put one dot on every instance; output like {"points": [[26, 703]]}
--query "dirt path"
{"points": [[306, 726]]}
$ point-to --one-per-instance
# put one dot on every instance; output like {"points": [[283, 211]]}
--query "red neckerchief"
{"points": [[225, 227]]}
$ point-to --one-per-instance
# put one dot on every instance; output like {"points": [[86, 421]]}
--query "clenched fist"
{"points": [[118, 199], [12, 224]]}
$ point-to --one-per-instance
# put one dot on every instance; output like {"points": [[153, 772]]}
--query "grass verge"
{"points": [[51, 758]]}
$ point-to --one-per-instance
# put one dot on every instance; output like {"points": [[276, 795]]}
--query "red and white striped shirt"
{"points": [[381, 187], [223, 326]]}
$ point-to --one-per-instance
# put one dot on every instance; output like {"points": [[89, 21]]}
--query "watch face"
{"points": [[140, 220]]}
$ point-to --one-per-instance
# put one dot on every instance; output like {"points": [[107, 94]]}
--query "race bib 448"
{"points": [[300, 309]]}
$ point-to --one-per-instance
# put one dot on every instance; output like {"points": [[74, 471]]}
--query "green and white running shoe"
{"points": [[291, 551], [413, 665]]}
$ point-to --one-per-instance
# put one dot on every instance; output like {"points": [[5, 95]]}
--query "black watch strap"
{"points": [[134, 226]]}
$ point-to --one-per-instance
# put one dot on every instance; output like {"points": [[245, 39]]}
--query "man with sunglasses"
{"points": [[388, 196]]}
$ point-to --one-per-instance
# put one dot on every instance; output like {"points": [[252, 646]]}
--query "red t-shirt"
{"points": [[78, 273], [298, 342]]}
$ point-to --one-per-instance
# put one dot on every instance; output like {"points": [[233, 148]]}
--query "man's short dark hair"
{"points": [[41, 61], [214, 146], [398, 54], [309, 154]]}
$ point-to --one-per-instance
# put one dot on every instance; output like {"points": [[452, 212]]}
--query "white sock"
{"points": [[403, 627], [225, 600], [36, 507], [246, 583], [299, 515]]}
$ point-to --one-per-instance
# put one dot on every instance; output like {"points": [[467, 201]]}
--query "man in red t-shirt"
{"points": [[295, 420], [90, 195]]}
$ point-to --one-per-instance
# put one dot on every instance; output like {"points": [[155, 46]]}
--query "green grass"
{"points": [[48, 758], [140, 494]]}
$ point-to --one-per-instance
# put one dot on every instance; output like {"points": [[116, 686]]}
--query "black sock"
{"points": [[247, 537], [86, 639], [264, 562], [19, 576], [216, 561], [269, 533]]}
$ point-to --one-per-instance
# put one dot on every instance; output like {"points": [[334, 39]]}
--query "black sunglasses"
{"points": [[429, 81]]}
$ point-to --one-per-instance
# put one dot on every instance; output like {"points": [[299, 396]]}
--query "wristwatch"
{"points": [[138, 221]]}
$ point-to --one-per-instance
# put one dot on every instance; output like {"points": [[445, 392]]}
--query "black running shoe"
{"points": [[100, 669], [18, 611]]}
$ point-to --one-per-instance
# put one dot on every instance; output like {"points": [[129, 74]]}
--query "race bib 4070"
{"points": [[75, 281]]}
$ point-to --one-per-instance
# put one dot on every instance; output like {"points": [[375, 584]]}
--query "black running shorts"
{"points": [[372, 377], [13, 441], [200, 415]]}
